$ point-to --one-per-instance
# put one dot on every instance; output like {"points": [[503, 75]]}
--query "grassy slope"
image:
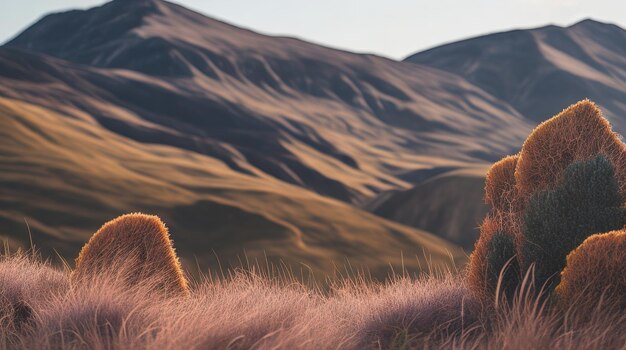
{"points": [[66, 175]]}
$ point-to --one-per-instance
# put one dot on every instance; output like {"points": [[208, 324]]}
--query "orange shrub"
{"points": [[476, 268], [569, 177], [596, 271], [494, 256], [500, 184], [579, 132], [138, 247], [501, 193]]}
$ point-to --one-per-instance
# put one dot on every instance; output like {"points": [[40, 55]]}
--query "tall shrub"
{"points": [[567, 183], [579, 132]]}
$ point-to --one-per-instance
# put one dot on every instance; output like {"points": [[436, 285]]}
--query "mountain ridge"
{"points": [[540, 70], [583, 21]]}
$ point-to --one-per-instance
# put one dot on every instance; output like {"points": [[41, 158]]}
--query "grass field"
{"points": [[253, 309]]}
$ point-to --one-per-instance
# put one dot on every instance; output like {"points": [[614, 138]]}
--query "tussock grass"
{"points": [[138, 242], [251, 309]]}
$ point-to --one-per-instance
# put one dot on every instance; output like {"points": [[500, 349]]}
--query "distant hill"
{"points": [[541, 71], [450, 203], [273, 147]]}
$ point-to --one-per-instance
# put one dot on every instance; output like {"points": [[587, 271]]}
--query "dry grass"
{"points": [[248, 309]]}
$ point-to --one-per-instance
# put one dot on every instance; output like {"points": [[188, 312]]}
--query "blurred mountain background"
{"points": [[272, 148]]}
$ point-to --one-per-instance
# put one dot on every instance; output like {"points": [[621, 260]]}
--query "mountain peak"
{"points": [[144, 6], [154, 37], [86, 36], [588, 22]]}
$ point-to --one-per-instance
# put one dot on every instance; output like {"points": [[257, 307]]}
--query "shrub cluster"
{"points": [[557, 221], [567, 183]]}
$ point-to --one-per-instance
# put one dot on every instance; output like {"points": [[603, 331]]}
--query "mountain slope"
{"points": [[539, 71], [357, 121], [450, 203], [241, 142], [65, 175]]}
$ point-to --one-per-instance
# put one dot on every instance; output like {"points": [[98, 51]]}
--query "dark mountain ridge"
{"points": [[540, 71]]}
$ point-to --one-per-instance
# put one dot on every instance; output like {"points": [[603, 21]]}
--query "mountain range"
{"points": [[540, 71], [258, 147]]}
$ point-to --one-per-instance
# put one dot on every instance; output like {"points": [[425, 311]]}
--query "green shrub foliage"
{"points": [[557, 221], [502, 264]]}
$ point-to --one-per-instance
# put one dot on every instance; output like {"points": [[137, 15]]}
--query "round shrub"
{"points": [[135, 248], [500, 184], [595, 274]]}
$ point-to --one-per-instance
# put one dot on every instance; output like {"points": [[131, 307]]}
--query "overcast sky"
{"points": [[392, 28]]}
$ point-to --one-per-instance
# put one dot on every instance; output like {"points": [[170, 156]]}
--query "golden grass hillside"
{"points": [[66, 175]]}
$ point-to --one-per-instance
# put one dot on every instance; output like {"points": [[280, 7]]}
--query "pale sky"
{"points": [[392, 28]]}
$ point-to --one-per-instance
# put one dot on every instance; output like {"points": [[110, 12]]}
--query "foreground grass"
{"points": [[40, 309]]}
